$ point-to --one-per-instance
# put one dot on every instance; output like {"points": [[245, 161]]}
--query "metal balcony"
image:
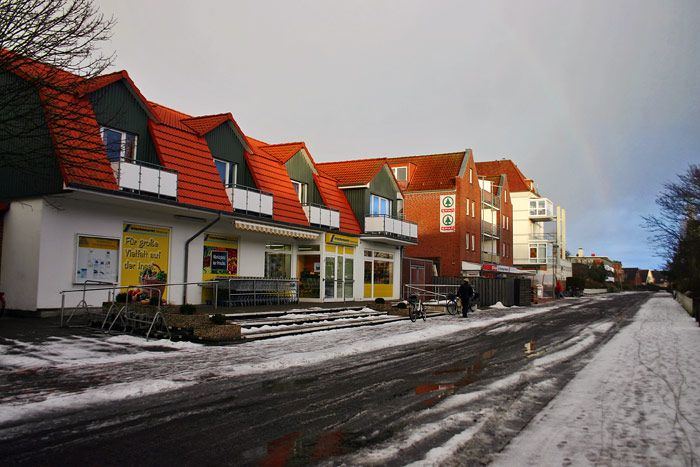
{"points": [[322, 216], [143, 177], [487, 257], [391, 226], [250, 200], [543, 237], [492, 230]]}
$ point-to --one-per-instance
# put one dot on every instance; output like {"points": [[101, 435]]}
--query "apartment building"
{"points": [[539, 228], [149, 191]]}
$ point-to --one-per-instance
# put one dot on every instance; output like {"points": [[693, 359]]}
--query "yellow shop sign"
{"points": [[336, 239]]}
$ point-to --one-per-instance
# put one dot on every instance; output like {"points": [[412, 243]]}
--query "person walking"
{"points": [[465, 293], [560, 293]]}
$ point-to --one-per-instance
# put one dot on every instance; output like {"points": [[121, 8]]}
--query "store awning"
{"points": [[262, 228]]}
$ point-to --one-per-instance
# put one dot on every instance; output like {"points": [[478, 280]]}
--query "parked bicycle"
{"points": [[416, 308]]}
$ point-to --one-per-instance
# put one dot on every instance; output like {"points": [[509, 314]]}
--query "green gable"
{"points": [[225, 145], [300, 171], [116, 107], [28, 164]]}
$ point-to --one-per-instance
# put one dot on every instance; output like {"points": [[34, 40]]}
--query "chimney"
{"points": [[580, 253]]}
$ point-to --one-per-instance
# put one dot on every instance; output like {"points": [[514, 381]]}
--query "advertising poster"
{"points": [[447, 213], [145, 255], [220, 256], [96, 259]]}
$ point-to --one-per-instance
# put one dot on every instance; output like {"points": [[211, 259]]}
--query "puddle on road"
{"points": [[469, 375], [295, 449]]}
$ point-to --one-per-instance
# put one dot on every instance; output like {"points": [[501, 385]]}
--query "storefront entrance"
{"points": [[338, 273], [379, 274]]}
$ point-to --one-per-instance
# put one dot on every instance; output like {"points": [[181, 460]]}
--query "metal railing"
{"points": [[145, 177], [487, 257], [322, 215], [250, 200], [119, 312], [490, 229], [543, 237], [430, 294], [389, 225]]}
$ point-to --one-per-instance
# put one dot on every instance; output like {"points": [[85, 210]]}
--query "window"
{"points": [[400, 173], [278, 260], [227, 171], [471, 179], [538, 253], [467, 241], [505, 196], [119, 145], [473, 209], [300, 188], [379, 206], [467, 206], [473, 242]]}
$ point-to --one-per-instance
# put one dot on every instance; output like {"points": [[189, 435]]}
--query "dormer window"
{"points": [[120, 145], [227, 171], [300, 188], [400, 173], [379, 206]]}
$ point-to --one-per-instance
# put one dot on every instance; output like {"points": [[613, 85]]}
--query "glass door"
{"points": [[330, 277], [348, 278]]}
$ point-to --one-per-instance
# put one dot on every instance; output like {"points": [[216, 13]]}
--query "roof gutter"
{"points": [[187, 254]]}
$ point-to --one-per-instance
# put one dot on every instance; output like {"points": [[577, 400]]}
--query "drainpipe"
{"points": [[187, 254]]}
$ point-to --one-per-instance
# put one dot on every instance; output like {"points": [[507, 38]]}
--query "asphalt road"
{"points": [[347, 411]]}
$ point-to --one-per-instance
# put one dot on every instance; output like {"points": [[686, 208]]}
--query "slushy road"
{"points": [[472, 391]]}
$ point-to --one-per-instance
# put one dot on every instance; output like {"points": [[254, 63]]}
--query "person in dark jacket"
{"points": [[465, 293]]}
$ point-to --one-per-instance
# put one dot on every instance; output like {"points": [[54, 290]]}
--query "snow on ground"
{"points": [[636, 403]]}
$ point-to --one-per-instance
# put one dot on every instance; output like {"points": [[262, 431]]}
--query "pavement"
{"points": [[36, 329]]}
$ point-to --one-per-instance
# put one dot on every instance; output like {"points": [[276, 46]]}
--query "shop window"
{"points": [[278, 260], [119, 145]]}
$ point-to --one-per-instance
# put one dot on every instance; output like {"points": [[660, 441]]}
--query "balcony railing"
{"points": [[250, 200], [490, 229], [487, 257], [143, 177], [322, 216], [391, 226], [543, 237], [489, 198]]}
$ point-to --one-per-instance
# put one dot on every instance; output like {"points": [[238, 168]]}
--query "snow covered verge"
{"points": [[636, 403]]}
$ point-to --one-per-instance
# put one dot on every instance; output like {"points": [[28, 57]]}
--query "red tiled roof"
{"points": [[199, 183], [358, 172], [516, 180], [432, 172], [333, 197], [283, 152], [271, 175], [71, 122], [203, 125], [170, 117]]}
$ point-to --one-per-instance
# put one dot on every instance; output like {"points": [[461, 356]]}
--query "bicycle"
{"points": [[454, 304], [453, 307], [416, 308]]}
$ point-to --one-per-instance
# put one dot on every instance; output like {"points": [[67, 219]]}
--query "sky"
{"points": [[632, 404], [597, 101]]}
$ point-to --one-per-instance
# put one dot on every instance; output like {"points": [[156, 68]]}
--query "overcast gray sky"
{"points": [[598, 101]]}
